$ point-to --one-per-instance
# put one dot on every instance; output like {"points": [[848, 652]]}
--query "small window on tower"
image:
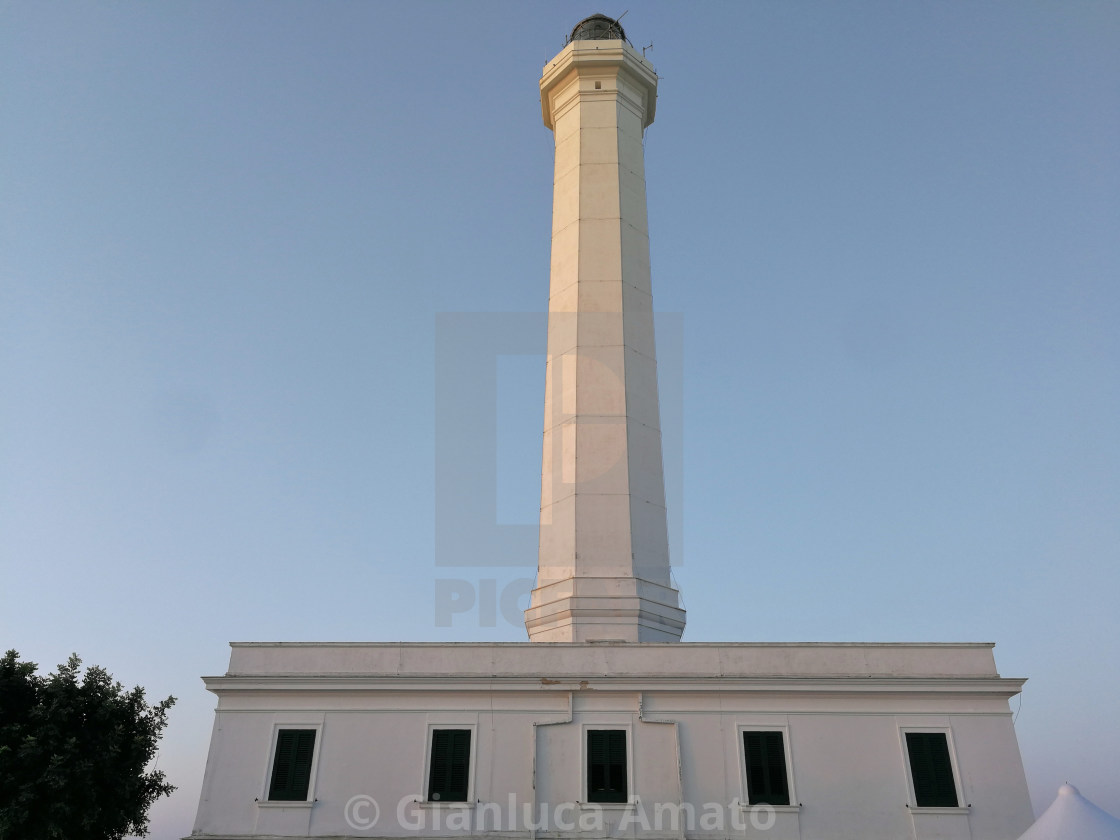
{"points": [[606, 765], [931, 770], [598, 86], [291, 765], [767, 778], [449, 771]]}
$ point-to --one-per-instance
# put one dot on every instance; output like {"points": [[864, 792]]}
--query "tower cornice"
{"points": [[586, 59]]}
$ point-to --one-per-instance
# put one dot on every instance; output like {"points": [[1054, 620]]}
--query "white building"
{"points": [[604, 724]]}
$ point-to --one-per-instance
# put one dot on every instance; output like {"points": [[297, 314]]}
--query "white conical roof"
{"points": [[1073, 817]]}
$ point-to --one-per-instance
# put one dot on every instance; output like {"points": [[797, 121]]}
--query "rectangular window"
{"points": [[606, 765], [767, 781], [931, 769], [449, 772], [291, 766]]}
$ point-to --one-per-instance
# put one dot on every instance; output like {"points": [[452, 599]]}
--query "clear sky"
{"points": [[885, 236]]}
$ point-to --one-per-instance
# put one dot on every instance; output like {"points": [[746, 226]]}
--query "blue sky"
{"points": [[884, 236]]}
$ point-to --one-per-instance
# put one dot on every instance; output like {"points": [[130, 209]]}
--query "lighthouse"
{"points": [[605, 724], [603, 564]]}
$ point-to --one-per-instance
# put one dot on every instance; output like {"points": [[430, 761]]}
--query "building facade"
{"points": [[783, 741]]}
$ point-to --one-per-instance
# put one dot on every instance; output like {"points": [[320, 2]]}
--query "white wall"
{"points": [[848, 764]]}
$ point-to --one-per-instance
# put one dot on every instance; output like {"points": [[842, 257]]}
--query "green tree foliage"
{"points": [[73, 752]]}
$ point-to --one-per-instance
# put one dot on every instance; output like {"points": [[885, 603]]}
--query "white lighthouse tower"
{"points": [[604, 550]]}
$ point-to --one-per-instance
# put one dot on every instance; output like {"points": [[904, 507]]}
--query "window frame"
{"points": [[740, 732], [266, 790], [585, 778], [953, 768], [433, 725]]}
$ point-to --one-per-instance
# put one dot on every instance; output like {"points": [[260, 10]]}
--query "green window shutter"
{"points": [[606, 765], [931, 769], [291, 766], [449, 772], [767, 779]]}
